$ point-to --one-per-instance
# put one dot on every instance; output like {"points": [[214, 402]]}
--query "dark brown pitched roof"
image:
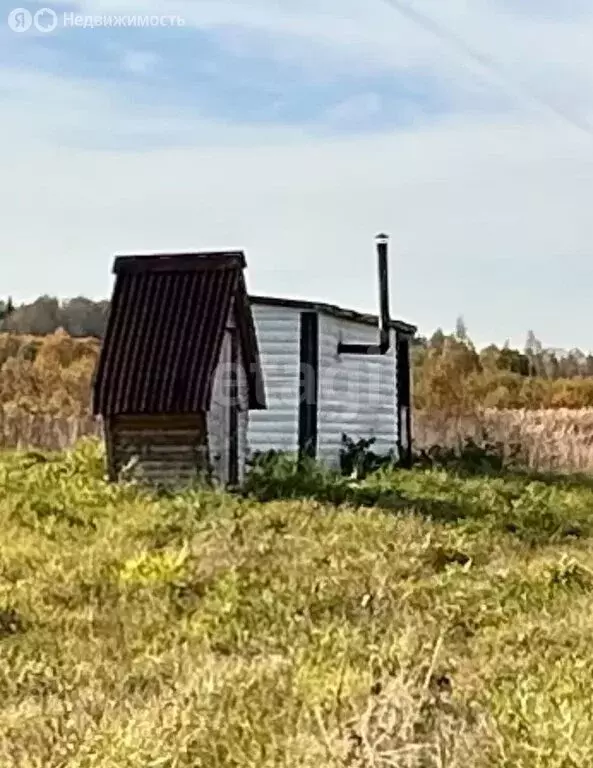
{"points": [[165, 331]]}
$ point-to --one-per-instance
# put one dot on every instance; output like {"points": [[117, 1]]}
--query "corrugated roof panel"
{"points": [[165, 333]]}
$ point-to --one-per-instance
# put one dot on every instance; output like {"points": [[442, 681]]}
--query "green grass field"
{"points": [[428, 620]]}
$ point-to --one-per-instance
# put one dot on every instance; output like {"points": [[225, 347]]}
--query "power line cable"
{"points": [[487, 63]]}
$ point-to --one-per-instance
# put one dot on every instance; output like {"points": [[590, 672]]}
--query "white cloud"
{"points": [[139, 62], [355, 109], [466, 204], [535, 55], [377, 29]]}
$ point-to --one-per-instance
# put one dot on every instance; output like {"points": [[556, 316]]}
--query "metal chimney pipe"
{"points": [[384, 344], [382, 241]]}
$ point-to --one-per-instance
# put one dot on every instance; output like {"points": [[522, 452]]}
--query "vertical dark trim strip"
{"points": [[404, 399], [108, 423], [233, 478], [409, 457], [398, 411], [308, 384]]}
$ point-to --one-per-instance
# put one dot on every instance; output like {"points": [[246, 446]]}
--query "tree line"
{"points": [[79, 317], [449, 372]]}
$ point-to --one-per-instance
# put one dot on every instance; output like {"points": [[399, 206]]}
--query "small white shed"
{"points": [[327, 374], [188, 354]]}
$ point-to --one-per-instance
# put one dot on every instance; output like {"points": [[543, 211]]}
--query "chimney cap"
{"points": [[382, 238]]}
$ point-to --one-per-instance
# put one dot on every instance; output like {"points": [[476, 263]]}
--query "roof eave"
{"points": [[333, 310]]}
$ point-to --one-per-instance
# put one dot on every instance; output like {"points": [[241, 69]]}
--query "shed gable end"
{"points": [[165, 333]]}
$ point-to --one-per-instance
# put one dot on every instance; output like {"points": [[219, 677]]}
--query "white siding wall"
{"points": [[357, 394], [278, 333], [219, 416]]}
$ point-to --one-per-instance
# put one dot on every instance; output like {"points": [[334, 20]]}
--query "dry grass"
{"points": [[202, 630], [548, 440], [22, 429], [559, 439]]}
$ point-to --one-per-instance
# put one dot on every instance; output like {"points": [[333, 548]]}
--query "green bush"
{"points": [[276, 475], [482, 455]]}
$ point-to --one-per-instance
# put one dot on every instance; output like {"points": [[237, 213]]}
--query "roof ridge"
{"points": [[190, 261]]}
